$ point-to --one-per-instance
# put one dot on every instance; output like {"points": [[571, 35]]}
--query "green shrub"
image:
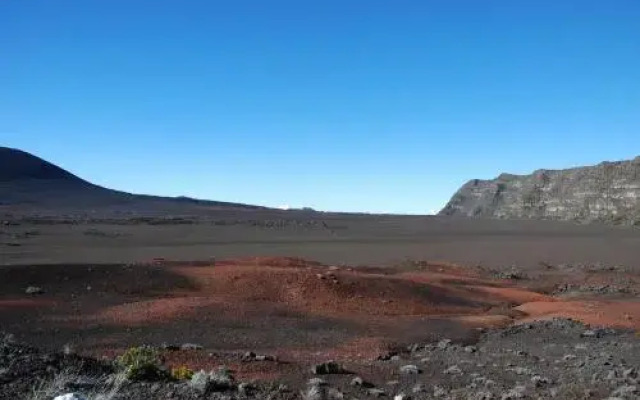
{"points": [[143, 363], [182, 373]]}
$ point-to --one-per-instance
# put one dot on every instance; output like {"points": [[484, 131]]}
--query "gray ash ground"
{"points": [[557, 359]]}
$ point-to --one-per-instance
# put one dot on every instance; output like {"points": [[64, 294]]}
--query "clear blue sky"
{"points": [[361, 105]]}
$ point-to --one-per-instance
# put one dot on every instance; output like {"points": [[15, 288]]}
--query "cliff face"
{"points": [[607, 192]]}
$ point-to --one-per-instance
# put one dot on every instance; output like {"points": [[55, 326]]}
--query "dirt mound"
{"points": [[338, 291], [277, 304], [238, 290]]}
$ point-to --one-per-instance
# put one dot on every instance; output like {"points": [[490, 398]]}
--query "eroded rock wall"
{"points": [[607, 192]]}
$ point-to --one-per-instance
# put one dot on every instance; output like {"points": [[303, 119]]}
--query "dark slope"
{"points": [[17, 165], [29, 181]]}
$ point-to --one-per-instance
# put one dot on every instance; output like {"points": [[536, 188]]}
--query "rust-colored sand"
{"points": [[621, 314]]}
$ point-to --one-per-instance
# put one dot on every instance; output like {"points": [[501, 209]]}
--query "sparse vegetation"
{"points": [[182, 373], [107, 388], [143, 363]]}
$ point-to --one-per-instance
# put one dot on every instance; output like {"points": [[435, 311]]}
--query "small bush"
{"points": [[108, 388], [143, 363], [214, 381], [182, 373]]}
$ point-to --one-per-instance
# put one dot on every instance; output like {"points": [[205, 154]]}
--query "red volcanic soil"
{"points": [[26, 303], [619, 314], [301, 311], [238, 289]]}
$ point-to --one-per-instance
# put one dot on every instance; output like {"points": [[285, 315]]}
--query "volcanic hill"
{"points": [[29, 181]]}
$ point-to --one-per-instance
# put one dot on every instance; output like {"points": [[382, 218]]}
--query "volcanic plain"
{"points": [[302, 287]]}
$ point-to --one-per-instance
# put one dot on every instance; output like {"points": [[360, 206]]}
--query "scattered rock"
{"points": [[439, 391], [169, 347], [33, 290], [376, 392], [358, 381], [625, 391], [70, 396], [597, 333], [322, 392], [266, 358], [317, 382], [206, 382], [200, 382], [629, 373], [539, 381], [419, 388], [246, 388], [388, 356], [521, 371], [410, 370], [453, 370], [282, 388], [414, 348], [191, 346], [517, 392], [514, 274], [68, 349], [327, 368]]}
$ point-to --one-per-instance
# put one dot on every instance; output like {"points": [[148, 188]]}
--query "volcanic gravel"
{"points": [[559, 358]]}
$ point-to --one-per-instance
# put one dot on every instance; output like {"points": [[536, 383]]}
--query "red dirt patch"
{"points": [[237, 291], [513, 295], [302, 312], [623, 314], [25, 303], [318, 291], [150, 311]]}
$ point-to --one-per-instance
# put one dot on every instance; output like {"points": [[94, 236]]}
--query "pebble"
{"points": [[410, 370], [358, 381], [454, 369], [376, 392]]}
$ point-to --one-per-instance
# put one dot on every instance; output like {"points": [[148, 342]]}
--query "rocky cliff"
{"points": [[607, 192]]}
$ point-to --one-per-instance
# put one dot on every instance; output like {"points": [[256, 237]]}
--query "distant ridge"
{"points": [[608, 192], [28, 180]]}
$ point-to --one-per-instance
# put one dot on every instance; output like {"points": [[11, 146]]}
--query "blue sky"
{"points": [[361, 105]]}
